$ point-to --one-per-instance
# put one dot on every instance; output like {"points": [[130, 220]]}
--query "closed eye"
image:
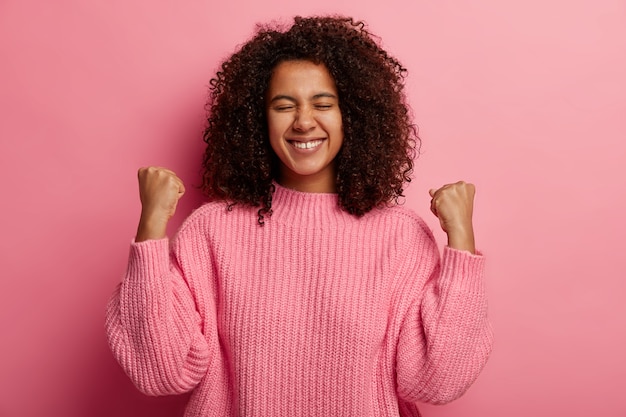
{"points": [[284, 108]]}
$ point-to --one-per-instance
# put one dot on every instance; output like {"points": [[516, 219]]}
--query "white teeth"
{"points": [[307, 145]]}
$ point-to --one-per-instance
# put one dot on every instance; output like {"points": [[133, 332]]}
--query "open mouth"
{"points": [[306, 145]]}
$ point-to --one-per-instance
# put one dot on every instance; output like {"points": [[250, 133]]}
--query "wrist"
{"points": [[151, 226], [462, 239]]}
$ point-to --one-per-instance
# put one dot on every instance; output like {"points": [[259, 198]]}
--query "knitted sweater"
{"points": [[316, 313]]}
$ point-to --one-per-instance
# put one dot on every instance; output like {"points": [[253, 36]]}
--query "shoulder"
{"points": [[404, 234], [202, 215], [213, 216], [410, 246], [403, 220]]}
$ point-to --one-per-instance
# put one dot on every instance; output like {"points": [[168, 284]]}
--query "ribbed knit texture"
{"points": [[317, 313]]}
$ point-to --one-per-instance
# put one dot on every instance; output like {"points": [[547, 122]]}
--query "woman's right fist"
{"points": [[159, 191]]}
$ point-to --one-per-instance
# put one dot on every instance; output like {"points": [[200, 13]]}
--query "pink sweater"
{"points": [[317, 313]]}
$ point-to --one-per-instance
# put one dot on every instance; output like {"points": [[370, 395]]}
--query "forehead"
{"points": [[304, 76]]}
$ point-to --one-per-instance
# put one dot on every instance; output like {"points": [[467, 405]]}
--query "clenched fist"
{"points": [[453, 204], [159, 191]]}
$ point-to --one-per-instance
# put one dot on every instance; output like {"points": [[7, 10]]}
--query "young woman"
{"points": [[302, 288]]}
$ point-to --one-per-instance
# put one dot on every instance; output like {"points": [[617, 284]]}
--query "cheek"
{"points": [[277, 125], [334, 124]]}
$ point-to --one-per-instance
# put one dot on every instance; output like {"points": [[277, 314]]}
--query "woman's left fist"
{"points": [[453, 204]]}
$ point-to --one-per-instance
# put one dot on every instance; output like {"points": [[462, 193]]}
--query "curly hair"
{"points": [[380, 141]]}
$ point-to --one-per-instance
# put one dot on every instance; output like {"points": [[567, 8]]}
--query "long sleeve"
{"points": [[152, 324], [445, 338]]}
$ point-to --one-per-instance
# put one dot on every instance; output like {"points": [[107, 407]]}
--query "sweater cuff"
{"points": [[149, 258], [463, 270]]}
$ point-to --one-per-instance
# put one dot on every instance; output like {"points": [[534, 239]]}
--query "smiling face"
{"points": [[305, 127]]}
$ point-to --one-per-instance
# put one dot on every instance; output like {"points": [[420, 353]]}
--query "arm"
{"points": [[445, 339], [152, 324]]}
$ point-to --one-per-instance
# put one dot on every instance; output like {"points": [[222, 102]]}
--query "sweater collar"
{"points": [[301, 208]]}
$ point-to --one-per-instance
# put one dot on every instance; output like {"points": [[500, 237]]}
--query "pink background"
{"points": [[526, 99]]}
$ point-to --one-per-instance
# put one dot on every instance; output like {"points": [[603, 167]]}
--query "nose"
{"points": [[304, 120]]}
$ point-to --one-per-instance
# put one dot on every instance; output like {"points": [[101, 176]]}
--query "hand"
{"points": [[159, 191], [453, 204]]}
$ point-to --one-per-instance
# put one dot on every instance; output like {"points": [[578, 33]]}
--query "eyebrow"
{"points": [[315, 97]]}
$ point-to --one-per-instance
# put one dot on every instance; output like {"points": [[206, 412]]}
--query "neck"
{"points": [[309, 183]]}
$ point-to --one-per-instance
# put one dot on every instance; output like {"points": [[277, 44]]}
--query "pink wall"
{"points": [[526, 99]]}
